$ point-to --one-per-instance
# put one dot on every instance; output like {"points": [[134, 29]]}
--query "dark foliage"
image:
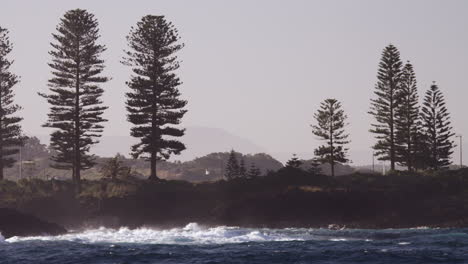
{"points": [[75, 93], [254, 171], [407, 121], [294, 162], [287, 198], [153, 104], [384, 106], [232, 167], [437, 129], [10, 129], [330, 128], [114, 168]]}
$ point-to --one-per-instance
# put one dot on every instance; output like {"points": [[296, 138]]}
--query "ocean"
{"points": [[198, 244]]}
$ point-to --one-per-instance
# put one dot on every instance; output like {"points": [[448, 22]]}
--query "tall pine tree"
{"points": [[330, 128], [242, 169], [254, 171], [75, 93], [386, 103], [294, 162], [232, 167], [437, 129], [153, 104], [10, 130], [407, 118]]}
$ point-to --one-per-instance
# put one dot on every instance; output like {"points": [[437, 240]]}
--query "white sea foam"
{"points": [[2, 239], [190, 234], [421, 228], [338, 239]]}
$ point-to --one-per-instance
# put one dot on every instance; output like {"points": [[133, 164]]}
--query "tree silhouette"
{"points": [[330, 128], [75, 93], [153, 104], [242, 169], [10, 129], [407, 118], [383, 107], [315, 167], [254, 171], [294, 162], [114, 168], [232, 166], [437, 128]]}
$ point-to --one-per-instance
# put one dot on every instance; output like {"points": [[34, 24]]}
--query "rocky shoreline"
{"points": [[14, 223]]}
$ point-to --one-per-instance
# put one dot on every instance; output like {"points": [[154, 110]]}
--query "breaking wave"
{"points": [[190, 234], [195, 234], [195, 243]]}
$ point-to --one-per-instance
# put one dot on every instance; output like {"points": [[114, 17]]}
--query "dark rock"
{"points": [[14, 223]]}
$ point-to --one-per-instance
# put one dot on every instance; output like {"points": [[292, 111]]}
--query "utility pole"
{"points": [[461, 150], [20, 163], [373, 161]]}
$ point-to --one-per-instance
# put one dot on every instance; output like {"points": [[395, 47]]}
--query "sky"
{"points": [[259, 69]]}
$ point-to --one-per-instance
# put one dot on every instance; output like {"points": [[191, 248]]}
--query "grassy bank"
{"points": [[289, 197]]}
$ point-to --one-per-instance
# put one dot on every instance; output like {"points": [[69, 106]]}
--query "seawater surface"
{"points": [[197, 244]]}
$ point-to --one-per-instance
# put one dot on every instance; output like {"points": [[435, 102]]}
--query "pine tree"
{"points": [[383, 108], [330, 128], [75, 92], [407, 118], [10, 129], [114, 168], [254, 171], [232, 167], [315, 167], [422, 150], [294, 162], [437, 129], [242, 169], [153, 104]]}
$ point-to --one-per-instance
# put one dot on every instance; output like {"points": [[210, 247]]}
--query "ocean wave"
{"points": [[197, 234], [190, 234], [2, 239]]}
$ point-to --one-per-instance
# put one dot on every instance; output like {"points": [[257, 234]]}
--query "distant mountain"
{"points": [[212, 166], [199, 141]]}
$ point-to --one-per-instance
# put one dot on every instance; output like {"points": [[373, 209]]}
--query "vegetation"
{"points": [[10, 130], [153, 104], [286, 198], [294, 162], [219, 188], [114, 168], [384, 106], [407, 122], [437, 129], [232, 167], [330, 128], [76, 108], [254, 171]]}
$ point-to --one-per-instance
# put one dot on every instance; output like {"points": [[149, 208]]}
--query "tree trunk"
{"points": [[153, 175], [1, 147], [332, 154], [154, 135], [1, 158], [77, 153], [392, 141]]}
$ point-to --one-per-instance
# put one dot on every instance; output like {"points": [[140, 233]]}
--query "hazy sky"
{"points": [[259, 69]]}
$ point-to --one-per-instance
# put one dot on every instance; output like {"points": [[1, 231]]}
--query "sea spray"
{"points": [[222, 244], [194, 234], [190, 234]]}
